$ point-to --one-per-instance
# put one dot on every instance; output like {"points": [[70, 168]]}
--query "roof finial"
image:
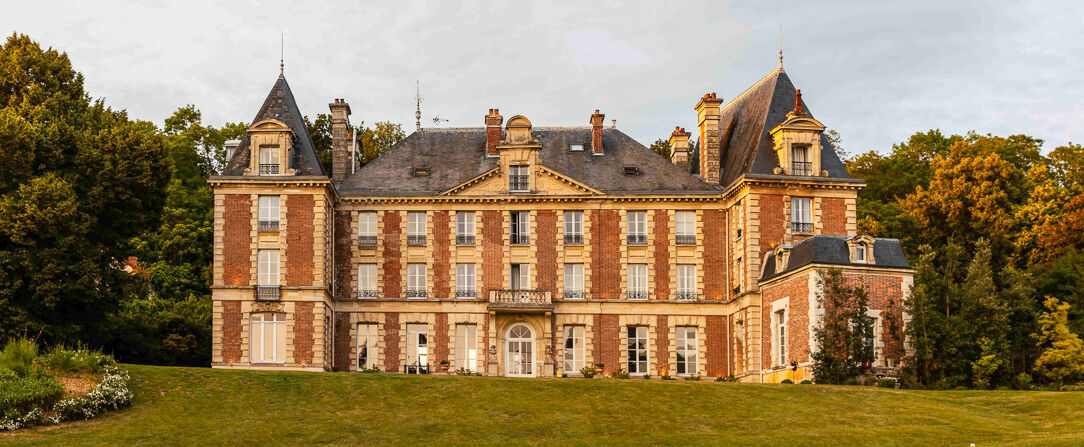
{"points": [[780, 45], [418, 99], [282, 53]]}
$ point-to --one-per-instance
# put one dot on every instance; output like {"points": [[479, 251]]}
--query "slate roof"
{"points": [[280, 105], [455, 155], [832, 250], [744, 125]]}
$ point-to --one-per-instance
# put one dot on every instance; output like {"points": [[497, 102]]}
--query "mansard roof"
{"points": [[746, 146], [456, 155], [280, 105], [833, 250]]}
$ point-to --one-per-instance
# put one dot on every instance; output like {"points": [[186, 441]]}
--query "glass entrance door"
{"points": [[519, 356]]}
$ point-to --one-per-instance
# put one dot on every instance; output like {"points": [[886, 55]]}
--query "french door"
{"points": [[519, 355]]}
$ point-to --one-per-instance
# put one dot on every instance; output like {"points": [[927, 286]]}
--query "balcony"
{"points": [[637, 295], [417, 294], [416, 240], [573, 295], [801, 168], [520, 299], [269, 225], [685, 239], [573, 239], [637, 239], [267, 293], [801, 227], [464, 239], [520, 239], [518, 183], [686, 295], [466, 293], [269, 168], [367, 294], [366, 241]]}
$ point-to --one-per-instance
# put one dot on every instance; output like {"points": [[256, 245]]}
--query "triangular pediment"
{"points": [[544, 182]]}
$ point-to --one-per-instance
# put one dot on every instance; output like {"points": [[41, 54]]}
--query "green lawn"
{"points": [[188, 406]]}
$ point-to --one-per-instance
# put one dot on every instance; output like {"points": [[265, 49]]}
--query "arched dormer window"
{"points": [[861, 249], [798, 142], [270, 144]]}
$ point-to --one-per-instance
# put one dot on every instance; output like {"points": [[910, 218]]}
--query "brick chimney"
{"points": [[493, 132], [707, 115], [679, 147], [596, 132], [340, 140]]}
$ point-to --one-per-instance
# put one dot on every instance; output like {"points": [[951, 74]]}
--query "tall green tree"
{"points": [[844, 338], [1062, 358], [79, 181]]}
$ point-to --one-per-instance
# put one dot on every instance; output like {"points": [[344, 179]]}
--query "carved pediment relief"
{"points": [[544, 182], [518, 131]]}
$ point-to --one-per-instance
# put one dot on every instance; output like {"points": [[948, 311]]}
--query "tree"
{"points": [[836, 140], [1052, 218], [844, 336], [1062, 358], [80, 180], [371, 141], [661, 147]]}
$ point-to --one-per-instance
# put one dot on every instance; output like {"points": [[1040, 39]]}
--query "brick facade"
{"points": [[607, 347], [299, 240], [492, 250], [661, 241], [834, 216], [605, 254], [546, 252], [714, 252], [716, 349], [304, 322], [773, 222], [441, 258], [344, 244], [796, 290], [231, 331], [237, 240], [662, 342], [343, 342], [391, 342], [440, 337], [393, 275]]}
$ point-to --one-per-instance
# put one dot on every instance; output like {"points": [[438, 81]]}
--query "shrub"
{"points": [[1076, 387], [887, 383], [647, 376], [77, 360], [18, 355], [111, 394], [806, 382], [668, 378], [19, 395], [720, 379], [851, 381], [1022, 381], [588, 372], [693, 377], [621, 374], [787, 381]]}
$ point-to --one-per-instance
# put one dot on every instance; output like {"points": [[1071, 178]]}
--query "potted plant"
{"points": [[444, 366]]}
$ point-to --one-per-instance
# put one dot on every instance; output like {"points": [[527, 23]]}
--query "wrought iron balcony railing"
{"points": [[637, 239], [366, 241], [269, 168], [518, 183], [801, 168], [686, 295], [466, 293], [269, 225], [464, 239], [416, 294], [367, 294], [801, 227], [415, 240], [573, 239], [685, 239], [636, 294], [573, 295], [520, 299], [267, 293], [520, 239]]}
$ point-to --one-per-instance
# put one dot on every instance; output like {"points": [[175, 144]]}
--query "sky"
{"points": [[877, 72]]}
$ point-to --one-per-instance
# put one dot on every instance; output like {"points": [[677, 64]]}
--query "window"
{"points": [[800, 163], [637, 227], [416, 228], [574, 349], [367, 338], [464, 228], [685, 349], [637, 349], [685, 230], [267, 268], [520, 227], [421, 172], [860, 253], [573, 227], [801, 215], [466, 347], [686, 282], [269, 160], [780, 318], [267, 337], [367, 228], [366, 281], [573, 281], [416, 281], [637, 277], [631, 170], [739, 219], [521, 276], [575, 147], [464, 281], [517, 179], [269, 213], [417, 345]]}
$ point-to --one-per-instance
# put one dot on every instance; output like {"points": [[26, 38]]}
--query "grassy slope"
{"points": [[185, 406]]}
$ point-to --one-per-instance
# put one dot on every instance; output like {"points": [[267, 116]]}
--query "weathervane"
{"points": [[780, 45], [282, 52], [418, 99]]}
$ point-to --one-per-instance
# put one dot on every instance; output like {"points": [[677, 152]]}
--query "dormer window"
{"points": [[421, 172], [861, 248], [269, 160], [575, 147], [801, 163], [517, 179], [631, 170]]}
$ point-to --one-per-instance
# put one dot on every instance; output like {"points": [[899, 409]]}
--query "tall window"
{"points": [[367, 228], [686, 282], [685, 349], [366, 281], [466, 347], [573, 227], [574, 349], [520, 227], [269, 160], [267, 266], [367, 338], [267, 337], [860, 253], [464, 228], [416, 228], [685, 230], [801, 215], [637, 277], [637, 227], [521, 276], [464, 281], [738, 219], [801, 165], [517, 178], [781, 337], [637, 349], [269, 213], [417, 345], [573, 281], [416, 281]]}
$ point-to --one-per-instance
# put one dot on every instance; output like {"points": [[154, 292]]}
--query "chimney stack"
{"points": [[596, 132], [679, 147], [340, 140], [493, 132], [707, 113]]}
